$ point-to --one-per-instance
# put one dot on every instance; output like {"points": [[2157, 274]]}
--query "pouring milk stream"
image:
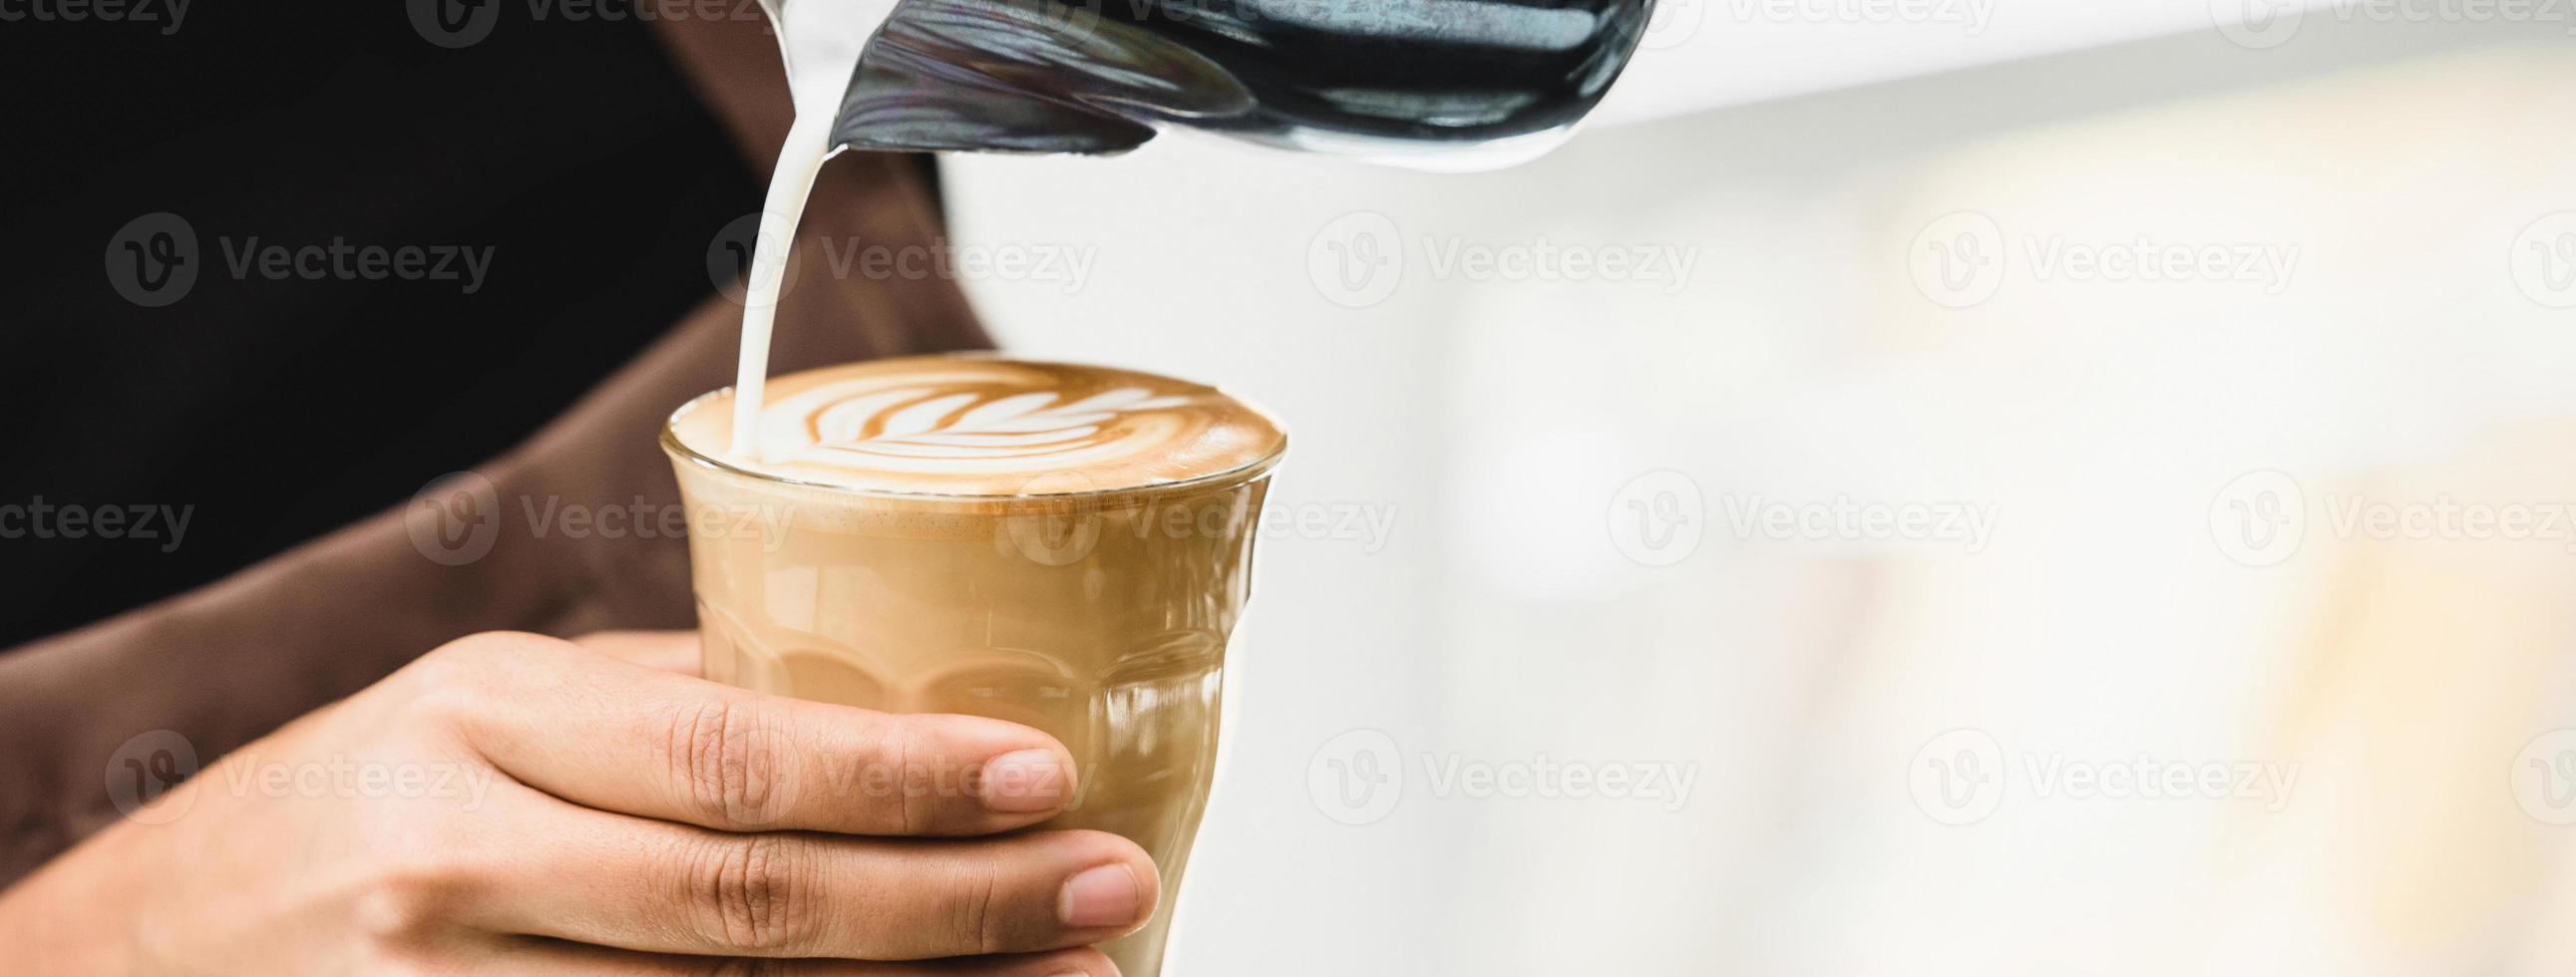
{"points": [[821, 42], [1431, 84]]}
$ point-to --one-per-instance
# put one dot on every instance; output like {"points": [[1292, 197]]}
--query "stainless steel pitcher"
{"points": [[1438, 84]]}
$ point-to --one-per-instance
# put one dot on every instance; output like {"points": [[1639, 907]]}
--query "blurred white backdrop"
{"points": [[2001, 346]]}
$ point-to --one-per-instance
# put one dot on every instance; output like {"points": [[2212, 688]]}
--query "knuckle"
{"points": [[449, 681], [456, 662], [408, 902], [729, 758], [973, 916], [901, 773], [474, 653], [916, 798], [756, 892], [446, 705]]}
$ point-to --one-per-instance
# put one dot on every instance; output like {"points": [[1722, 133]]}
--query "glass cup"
{"points": [[1098, 616]]}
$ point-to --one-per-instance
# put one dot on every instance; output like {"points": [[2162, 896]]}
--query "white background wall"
{"points": [[2417, 348]]}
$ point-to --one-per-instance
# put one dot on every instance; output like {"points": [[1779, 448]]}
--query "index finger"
{"points": [[618, 736]]}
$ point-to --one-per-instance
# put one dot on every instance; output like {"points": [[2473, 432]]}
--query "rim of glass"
{"points": [[673, 446]]}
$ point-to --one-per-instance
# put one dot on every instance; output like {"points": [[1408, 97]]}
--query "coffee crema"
{"points": [[983, 426]]}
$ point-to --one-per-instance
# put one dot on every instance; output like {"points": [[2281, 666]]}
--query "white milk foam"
{"points": [[983, 426]]}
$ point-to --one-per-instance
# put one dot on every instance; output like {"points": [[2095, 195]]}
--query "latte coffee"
{"points": [[1065, 547]]}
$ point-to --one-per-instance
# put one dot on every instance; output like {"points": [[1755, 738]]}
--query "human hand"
{"points": [[572, 810]]}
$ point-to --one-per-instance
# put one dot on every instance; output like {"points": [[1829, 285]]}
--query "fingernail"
{"points": [[1104, 896], [1026, 781]]}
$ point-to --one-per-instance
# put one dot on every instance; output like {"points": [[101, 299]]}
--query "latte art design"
{"points": [[979, 426], [916, 424]]}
